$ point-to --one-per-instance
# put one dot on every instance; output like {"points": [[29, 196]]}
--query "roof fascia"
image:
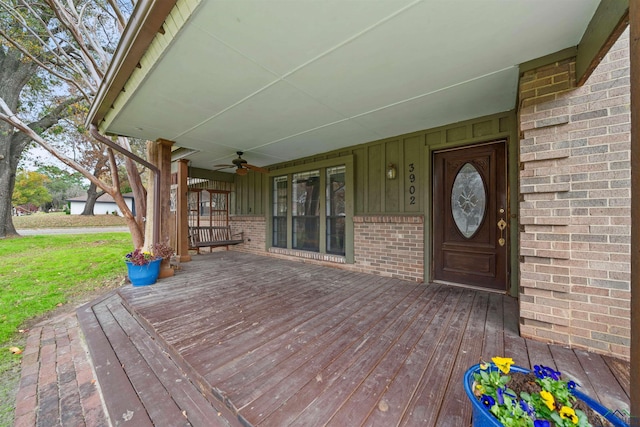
{"points": [[606, 25], [146, 21]]}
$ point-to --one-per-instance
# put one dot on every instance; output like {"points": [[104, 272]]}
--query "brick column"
{"points": [[634, 23], [575, 205]]}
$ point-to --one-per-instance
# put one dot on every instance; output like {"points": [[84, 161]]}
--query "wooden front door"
{"points": [[470, 216]]}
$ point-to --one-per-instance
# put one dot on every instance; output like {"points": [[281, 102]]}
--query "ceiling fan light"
{"points": [[242, 171]]}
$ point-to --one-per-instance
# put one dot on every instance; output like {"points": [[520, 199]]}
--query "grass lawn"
{"points": [[42, 274], [61, 220]]}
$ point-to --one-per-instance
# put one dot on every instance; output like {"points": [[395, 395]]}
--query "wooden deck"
{"points": [[288, 343]]}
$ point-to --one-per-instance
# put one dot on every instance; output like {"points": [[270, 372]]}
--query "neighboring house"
{"points": [[104, 204], [482, 144]]}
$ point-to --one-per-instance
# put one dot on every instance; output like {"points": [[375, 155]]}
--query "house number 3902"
{"points": [[412, 186]]}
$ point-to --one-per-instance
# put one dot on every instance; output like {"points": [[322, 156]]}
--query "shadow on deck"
{"points": [[238, 339]]}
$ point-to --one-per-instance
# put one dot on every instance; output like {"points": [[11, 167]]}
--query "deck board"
{"points": [[310, 340], [140, 383], [339, 367], [607, 388], [115, 385], [291, 343], [425, 402], [493, 343], [190, 404], [568, 363], [368, 395], [620, 371], [146, 383], [454, 410]]}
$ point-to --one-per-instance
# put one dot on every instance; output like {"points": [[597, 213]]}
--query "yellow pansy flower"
{"points": [[568, 413], [503, 363], [548, 399]]}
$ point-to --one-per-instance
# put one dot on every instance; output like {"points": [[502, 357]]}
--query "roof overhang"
{"points": [[282, 80]]}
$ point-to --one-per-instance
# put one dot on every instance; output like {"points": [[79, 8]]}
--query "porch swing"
{"points": [[208, 213]]}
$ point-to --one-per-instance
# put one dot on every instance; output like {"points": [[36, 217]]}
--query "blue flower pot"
{"points": [[144, 275], [483, 418]]}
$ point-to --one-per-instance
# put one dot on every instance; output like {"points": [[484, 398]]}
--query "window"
{"points": [[309, 208], [306, 210], [336, 212], [280, 192]]}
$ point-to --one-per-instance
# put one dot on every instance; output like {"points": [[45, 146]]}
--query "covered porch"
{"points": [[240, 339]]}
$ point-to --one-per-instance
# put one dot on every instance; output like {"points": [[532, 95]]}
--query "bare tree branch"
{"points": [[44, 66], [71, 25], [13, 120], [122, 22]]}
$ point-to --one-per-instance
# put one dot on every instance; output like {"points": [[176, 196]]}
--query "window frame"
{"points": [[322, 165]]}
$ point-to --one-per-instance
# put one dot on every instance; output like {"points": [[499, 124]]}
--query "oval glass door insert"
{"points": [[468, 200]]}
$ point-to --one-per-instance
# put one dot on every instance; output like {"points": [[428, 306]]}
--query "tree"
{"points": [[61, 185], [15, 75], [70, 44], [30, 189]]}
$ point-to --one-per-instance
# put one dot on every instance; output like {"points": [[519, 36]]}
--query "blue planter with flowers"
{"points": [[143, 267], [482, 417], [144, 275]]}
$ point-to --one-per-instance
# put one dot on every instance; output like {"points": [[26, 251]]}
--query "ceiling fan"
{"points": [[241, 165]]}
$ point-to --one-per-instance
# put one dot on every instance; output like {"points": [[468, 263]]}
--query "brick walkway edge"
{"points": [[57, 386]]}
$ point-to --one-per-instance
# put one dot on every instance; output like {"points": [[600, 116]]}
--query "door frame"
{"points": [[511, 216]]}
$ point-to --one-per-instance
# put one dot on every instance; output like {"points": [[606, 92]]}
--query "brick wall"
{"points": [[575, 205], [390, 246], [254, 228]]}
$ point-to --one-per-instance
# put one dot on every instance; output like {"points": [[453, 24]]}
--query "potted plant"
{"points": [[165, 252], [143, 267], [506, 395]]}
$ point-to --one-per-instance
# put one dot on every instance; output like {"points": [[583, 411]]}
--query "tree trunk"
{"points": [[8, 167], [92, 196], [14, 75], [135, 182]]}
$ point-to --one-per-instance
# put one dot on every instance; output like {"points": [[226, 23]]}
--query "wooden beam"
{"points": [[570, 52], [609, 21], [167, 223], [182, 216], [634, 52]]}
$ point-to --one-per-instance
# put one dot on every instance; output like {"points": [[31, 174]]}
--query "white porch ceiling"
{"points": [[281, 80]]}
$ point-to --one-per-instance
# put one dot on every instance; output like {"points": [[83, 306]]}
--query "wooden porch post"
{"points": [[634, 53], [182, 216], [164, 163]]}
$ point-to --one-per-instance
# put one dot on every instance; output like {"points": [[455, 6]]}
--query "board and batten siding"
{"points": [[410, 153], [391, 231]]}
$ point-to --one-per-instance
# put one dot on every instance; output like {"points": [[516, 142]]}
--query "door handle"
{"points": [[502, 224]]}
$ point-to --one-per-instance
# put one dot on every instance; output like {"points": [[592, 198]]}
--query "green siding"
{"points": [[391, 196], [249, 194], [374, 194], [410, 192], [360, 181], [375, 175], [410, 174]]}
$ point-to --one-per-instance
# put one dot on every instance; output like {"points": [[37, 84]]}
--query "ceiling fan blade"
{"points": [[222, 167], [256, 168]]}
